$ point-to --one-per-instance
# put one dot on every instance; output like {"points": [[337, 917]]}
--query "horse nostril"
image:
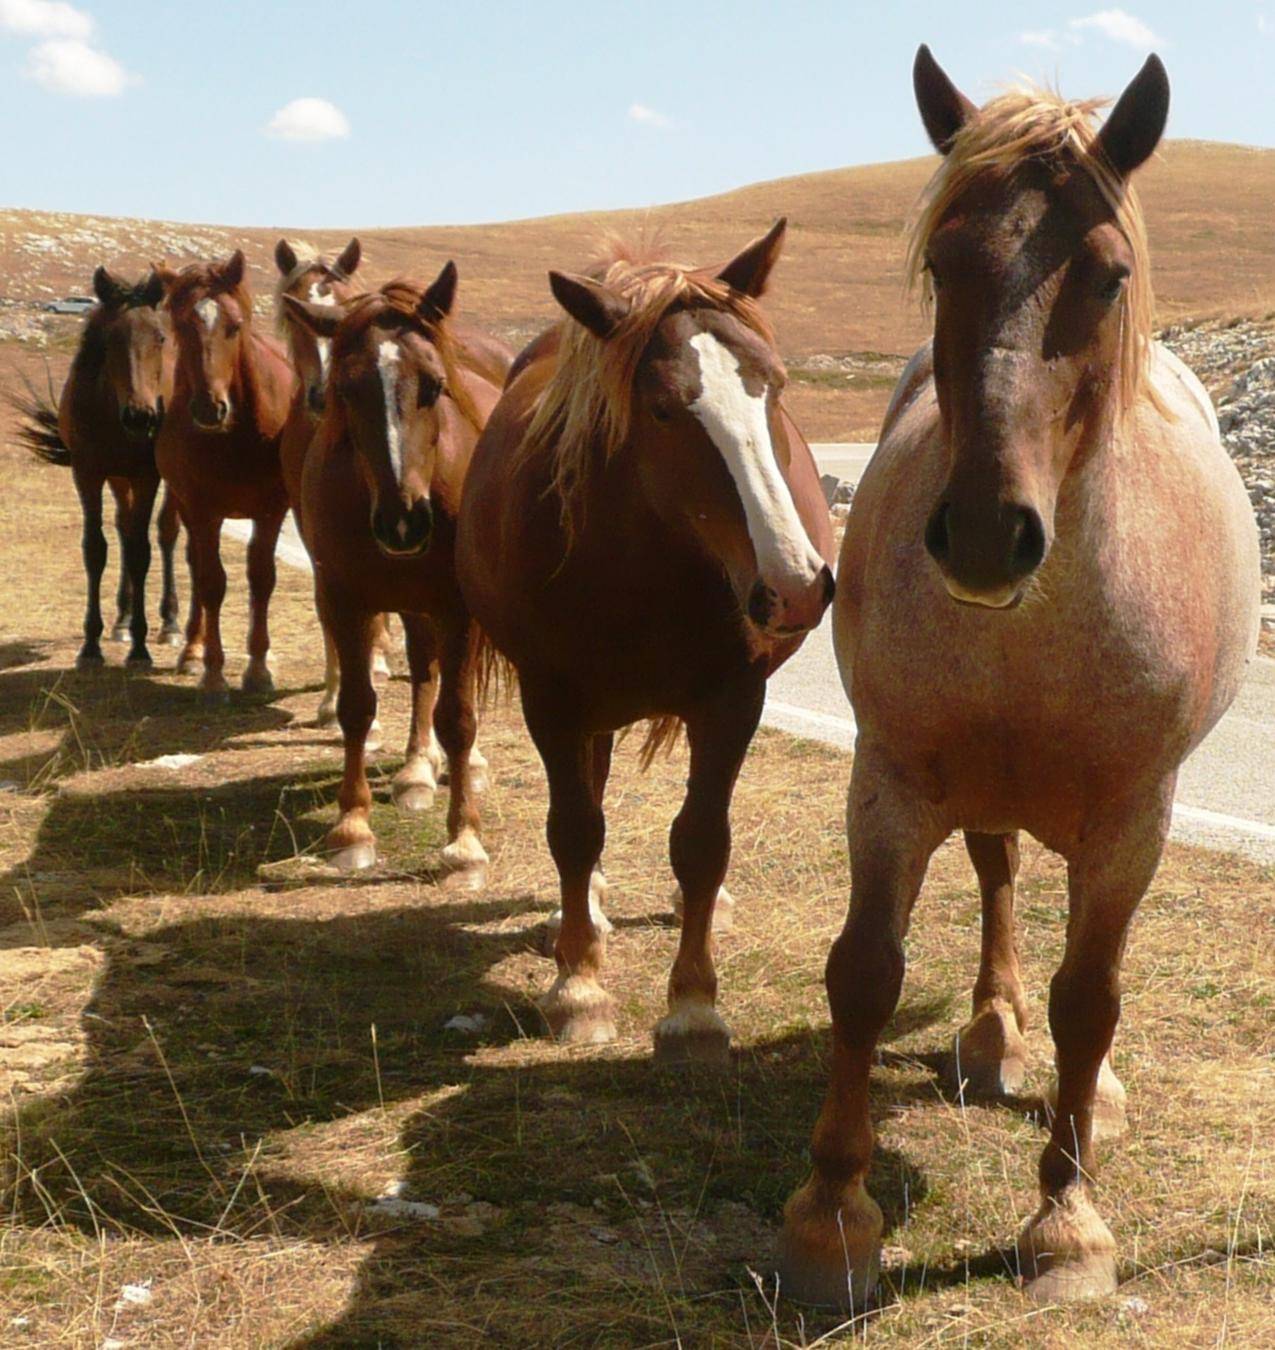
{"points": [[1029, 542], [761, 603], [937, 543], [829, 585]]}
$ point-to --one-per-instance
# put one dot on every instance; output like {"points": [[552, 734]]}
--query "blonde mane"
{"points": [[583, 415], [1033, 124]]}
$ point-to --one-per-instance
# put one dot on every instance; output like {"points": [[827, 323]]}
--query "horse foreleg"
{"points": [[350, 843], [699, 849], [1066, 1252], [192, 653], [137, 561], [417, 781], [261, 581], [989, 1057], [169, 527], [830, 1246], [122, 490], [93, 543], [326, 714], [382, 646], [457, 723], [576, 1008], [208, 582]]}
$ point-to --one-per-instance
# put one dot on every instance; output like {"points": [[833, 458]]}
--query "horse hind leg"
{"points": [[699, 849], [93, 543], [137, 560], [989, 1056], [170, 633], [1066, 1252], [415, 784], [350, 843], [261, 583], [464, 856], [382, 646]]}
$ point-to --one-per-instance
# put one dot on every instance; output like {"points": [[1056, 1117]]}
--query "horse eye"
{"points": [[430, 391], [1114, 286], [232, 329]]}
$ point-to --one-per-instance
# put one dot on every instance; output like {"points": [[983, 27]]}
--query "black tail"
{"points": [[38, 421]]}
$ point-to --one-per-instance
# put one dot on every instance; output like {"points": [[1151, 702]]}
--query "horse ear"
{"points": [[153, 288], [944, 109], [437, 302], [1136, 124], [285, 257], [749, 270], [589, 302], [348, 262], [166, 274], [105, 287], [321, 320], [232, 269]]}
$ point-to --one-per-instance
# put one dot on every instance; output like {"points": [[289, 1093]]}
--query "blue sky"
{"points": [[434, 113]]}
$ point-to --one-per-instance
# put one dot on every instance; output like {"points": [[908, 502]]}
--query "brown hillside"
{"points": [[1211, 210]]}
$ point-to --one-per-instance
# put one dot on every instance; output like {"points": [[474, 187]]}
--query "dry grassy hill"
{"points": [[1211, 209]]}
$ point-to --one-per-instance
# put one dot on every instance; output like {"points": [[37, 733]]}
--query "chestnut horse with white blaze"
{"points": [[381, 489], [1048, 594], [104, 430], [218, 450], [643, 536], [304, 275]]}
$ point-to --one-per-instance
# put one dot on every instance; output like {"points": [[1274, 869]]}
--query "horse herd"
{"points": [[1047, 592]]}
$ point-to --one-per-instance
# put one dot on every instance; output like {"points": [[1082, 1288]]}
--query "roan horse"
{"points": [[104, 430], [304, 275], [1048, 594], [218, 450], [380, 494], [643, 536]]}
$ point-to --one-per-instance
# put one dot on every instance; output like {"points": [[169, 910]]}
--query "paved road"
{"points": [[1226, 793]]}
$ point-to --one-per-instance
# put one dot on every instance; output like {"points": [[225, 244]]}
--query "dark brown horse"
{"points": [[218, 450], [643, 536], [380, 492], [1048, 594], [304, 275], [104, 429]]}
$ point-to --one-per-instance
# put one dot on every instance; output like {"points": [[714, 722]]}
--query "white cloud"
{"points": [[308, 119], [70, 66], [45, 19], [1119, 26], [1041, 37], [648, 117]]}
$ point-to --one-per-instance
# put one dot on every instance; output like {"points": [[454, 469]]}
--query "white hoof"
{"points": [[579, 1011], [465, 853], [1110, 1113], [597, 898], [723, 910], [326, 714], [380, 667], [693, 1032]]}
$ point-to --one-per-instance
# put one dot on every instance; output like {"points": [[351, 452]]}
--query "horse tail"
{"points": [[661, 737], [38, 423], [494, 673]]}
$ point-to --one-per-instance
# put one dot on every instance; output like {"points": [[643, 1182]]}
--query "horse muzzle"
{"points": [[987, 558], [788, 610], [141, 423], [403, 531], [211, 414]]}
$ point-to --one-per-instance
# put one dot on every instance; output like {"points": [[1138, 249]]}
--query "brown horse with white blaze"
{"points": [[104, 430], [1048, 594], [644, 537], [381, 490], [219, 452]]}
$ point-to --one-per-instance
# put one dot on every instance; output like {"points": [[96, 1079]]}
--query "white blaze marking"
{"points": [[387, 364], [736, 422], [208, 311], [318, 296]]}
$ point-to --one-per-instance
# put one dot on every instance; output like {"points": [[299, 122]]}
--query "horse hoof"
{"points": [[356, 857], [326, 715], [213, 688], [989, 1055], [723, 910], [465, 852], [413, 797], [375, 737], [140, 660], [829, 1249], [579, 1011], [120, 633], [90, 661], [190, 663], [693, 1033], [1066, 1253], [1110, 1104], [380, 668], [258, 680], [601, 924], [170, 637]]}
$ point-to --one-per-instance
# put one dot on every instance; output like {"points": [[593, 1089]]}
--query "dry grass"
{"points": [[209, 1083]]}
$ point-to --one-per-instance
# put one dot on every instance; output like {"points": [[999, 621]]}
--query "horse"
{"points": [[304, 275], [643, 536], [218, 450], [381, 488], [103, 429], [1048, 594]]}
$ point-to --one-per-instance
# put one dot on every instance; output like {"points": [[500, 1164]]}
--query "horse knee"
{"points": [[863, 977], [1084, 1007]]}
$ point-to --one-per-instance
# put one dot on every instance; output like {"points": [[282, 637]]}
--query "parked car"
{"points": [[71, 304]]}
